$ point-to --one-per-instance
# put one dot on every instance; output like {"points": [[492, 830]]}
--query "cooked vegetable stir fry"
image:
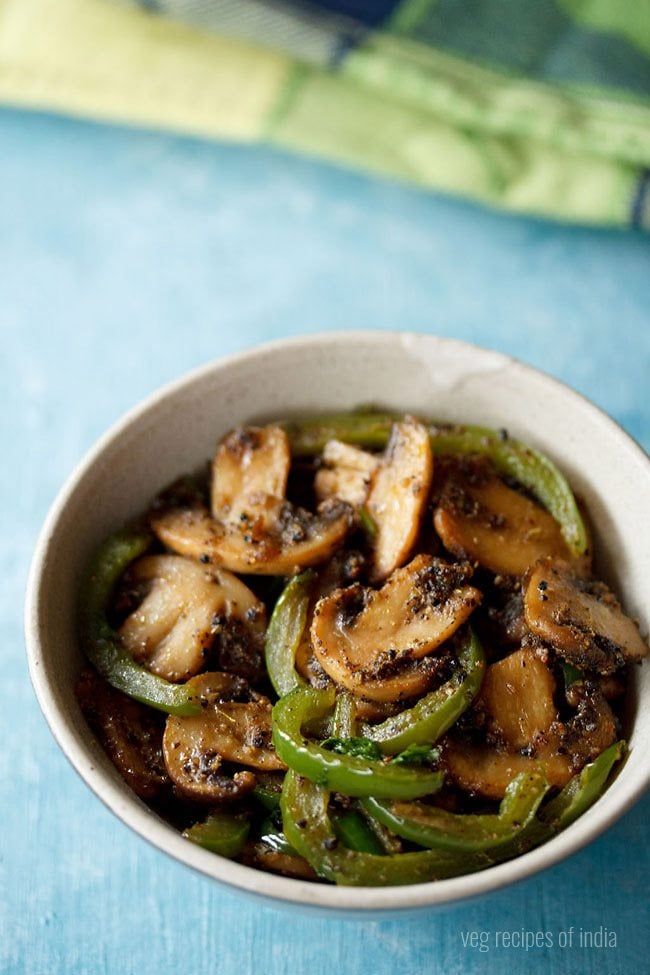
{"points": [[364, 649]]}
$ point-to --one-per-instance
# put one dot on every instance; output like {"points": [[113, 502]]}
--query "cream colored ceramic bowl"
{"points": [[175, 430]]}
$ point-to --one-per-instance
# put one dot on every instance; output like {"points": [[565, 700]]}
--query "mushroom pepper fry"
{"points": [[440, 656], [530, 468], [102, 645]]}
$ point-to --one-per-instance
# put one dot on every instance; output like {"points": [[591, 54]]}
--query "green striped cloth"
{"points": [[536, 106]]}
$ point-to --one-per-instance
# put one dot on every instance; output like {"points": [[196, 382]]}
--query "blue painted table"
{"points": [[127, 258]]}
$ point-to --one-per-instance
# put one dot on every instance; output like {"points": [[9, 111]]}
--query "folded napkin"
{"points": [[537, 106]]}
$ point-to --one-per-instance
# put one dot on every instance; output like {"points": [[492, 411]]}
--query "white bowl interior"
{"points": [[175, 431]]}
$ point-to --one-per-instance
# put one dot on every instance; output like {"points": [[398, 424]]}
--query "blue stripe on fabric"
{"points": [[351, 20], [344, 44], [371, 13], [354, 19], [641, 203]]}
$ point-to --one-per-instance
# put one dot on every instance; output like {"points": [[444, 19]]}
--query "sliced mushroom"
{"points": [[130, 733], [186, 607], [517, 697], [481, 519], [398, 495], [375, 711], [484, 771], [371, 641], [250, 464], [592, 729], [277, 539], [346, 474], [227, 730], [525, 730], [263, 857], [253, 529], [582, 620], [341, 570]]}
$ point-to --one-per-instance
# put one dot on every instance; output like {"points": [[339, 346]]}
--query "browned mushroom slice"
{"points": [[185, 607], [253, 528], [371, 640], [130, 733], [517, 702], [341, 570], [250, 463], [264, 857], [582, 620], [593, 727], [480, 518], [346, 473], [398, 495], [560, 751], [392, 681], [375, 711], [275, 539], [517, 697], [422, 676], [227, 730], [484, 771]]}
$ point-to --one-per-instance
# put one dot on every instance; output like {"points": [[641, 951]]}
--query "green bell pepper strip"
{"points": [[222, 833], [267, 798], [274, 839], [102, 645], [575, 798], [582, 790], [435, 713], [368, 429], [354, 832], [284, 633], [344, 718], [388, 841], [110, 561], [438, 829], [309, 829], [530, 468], [348, 774]]}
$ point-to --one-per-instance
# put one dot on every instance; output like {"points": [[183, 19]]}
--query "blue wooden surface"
{"points": [[127, 258]]}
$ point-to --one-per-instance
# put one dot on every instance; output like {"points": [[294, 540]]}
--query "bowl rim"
{"points": [[285, 891]]}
